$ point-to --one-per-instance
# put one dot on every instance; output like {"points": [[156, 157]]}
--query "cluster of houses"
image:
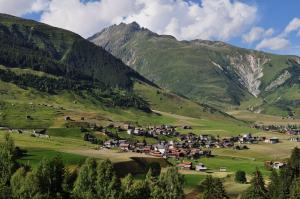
{"points": [[183, 145], [286, 129], [161, 149], [154, 131]]}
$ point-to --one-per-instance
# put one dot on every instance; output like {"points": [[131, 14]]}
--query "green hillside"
{"points": [[48, 73], [212, 72]]}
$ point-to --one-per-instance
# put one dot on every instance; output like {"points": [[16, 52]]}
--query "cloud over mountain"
{"points": [[210, 19]]}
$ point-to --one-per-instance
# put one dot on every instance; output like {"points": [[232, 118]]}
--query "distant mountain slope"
{"points": [[29, 44], [40, 64], [207, 71]]}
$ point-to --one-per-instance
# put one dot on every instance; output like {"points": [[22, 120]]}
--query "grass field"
{"points": [[263, 118], [35, 155]]}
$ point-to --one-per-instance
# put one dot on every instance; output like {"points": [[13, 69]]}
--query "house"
{"points": [[161, 148], [272, 140], [156, 153], [185, 165], [278, 165], [122, 141], [147, 149], [111, 143], [124, 147], [295, 139], [187, 127], [130, 131], [201, 167], [223, 169]]}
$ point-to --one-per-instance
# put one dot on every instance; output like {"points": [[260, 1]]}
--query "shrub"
{"points": [[240, 177]]}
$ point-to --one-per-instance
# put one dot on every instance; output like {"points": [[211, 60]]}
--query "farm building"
{"points": [[201, 167], [185, 165], [273, 140]]}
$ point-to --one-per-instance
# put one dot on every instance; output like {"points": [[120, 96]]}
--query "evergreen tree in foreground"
{"points": [[280, 186], [24, 184], [257, 190], [213, 188], [132, 189], [295, 189], [7, 166], [169, 185], [274, 186], [97, 181]]}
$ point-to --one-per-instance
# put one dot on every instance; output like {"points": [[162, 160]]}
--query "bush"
{"points": [[240, 177]]}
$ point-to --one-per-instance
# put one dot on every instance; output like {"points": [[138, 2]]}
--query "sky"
{"points": [[267, 25]]}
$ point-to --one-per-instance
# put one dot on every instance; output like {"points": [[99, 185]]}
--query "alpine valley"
{"points": [[130, 114]]}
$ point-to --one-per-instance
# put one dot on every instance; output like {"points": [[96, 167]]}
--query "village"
{"points": [[188, 146], [170, 143]]}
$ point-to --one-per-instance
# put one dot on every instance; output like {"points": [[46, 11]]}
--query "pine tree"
{"points": [[295, 189], [169, 185], [50, 176], [294, 162], [7, 166], [274, 186], [23, 184], [213, 188], [134, 189], [84, 187], [257, 189], [240, 177], [107, 184]]}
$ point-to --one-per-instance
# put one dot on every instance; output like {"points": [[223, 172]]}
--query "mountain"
{"points": [[212, 72], [47, 72]]}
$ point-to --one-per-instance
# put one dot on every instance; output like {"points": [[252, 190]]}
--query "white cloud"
{"points": [[294, 25], [39, 5], [16, 7], [257, 33], [274, 43], [213, 19]]}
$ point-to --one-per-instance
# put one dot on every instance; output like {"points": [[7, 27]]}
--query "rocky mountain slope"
{"points": [[208, 71]]}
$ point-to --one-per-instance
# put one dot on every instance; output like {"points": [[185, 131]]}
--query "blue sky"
{"points": [[268, 25]]}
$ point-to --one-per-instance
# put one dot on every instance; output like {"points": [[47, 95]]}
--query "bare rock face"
{"points": [[279, 81], [297, 59], [249, 69]]}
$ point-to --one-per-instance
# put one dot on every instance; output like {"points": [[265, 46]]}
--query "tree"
{"points": [[84, 187], [107, 184], [274, 186], [50, 176], [240, 177], [213, 188], [69, 181], [155, 169], [134, 189], [294, 162], [295, 189], [257, 189], [23, 184], [97, 180], [7, 166], [169, 185], [7, 162]]}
